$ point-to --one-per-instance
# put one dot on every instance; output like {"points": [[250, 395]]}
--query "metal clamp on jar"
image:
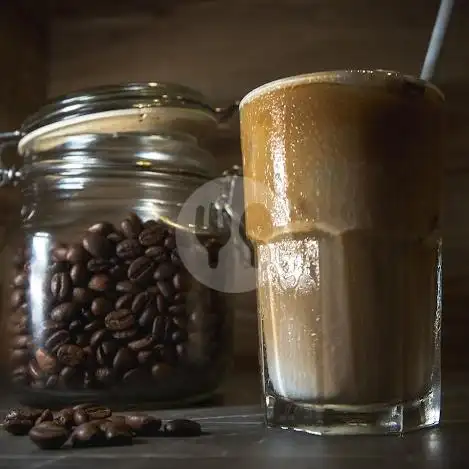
{"points": [[100, 304]]}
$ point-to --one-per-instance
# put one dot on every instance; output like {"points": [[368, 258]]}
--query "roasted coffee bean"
{"points": [[65, 418], [71, 355], [47, 363], [77, 254], [164, 271], [124, 360], [34, 370], [97, 412], [182, 428], [143, 301], [118, 272], [162, 304], [17, 298], [21, 341], [98, 245], [18, 426], [100, 283], [126, 335], [98, 337], [59, 253], [177, 310], [101, 306], [106, 352], [48, 435], [132, 226], [127, 287], [19, 356], [146, 343], [136, 377], [65, 312], [104, 228], [152, 236], [20, 326], [46, 416], [80, 416], [180, 298], [129, 249], [160, 329], [82, 296], [20, 376], [70, 378], [143, 424], [181, 282], [170, 243], [88, 434], [104, 376], [119, 320], [161, 371], [51, 381], [175, 259], [117, 435], [23, 413], [125, 301], [141, 270], [147, 317], [59, 267], [165, 288], [115, 420], [79, 275], [20, 280], [179, 336], [146, 357], [55, 340], [115, 237], [99, 265], [157, 253]]}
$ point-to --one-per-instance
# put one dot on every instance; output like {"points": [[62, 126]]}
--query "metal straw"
{"points": [[436, 40]]}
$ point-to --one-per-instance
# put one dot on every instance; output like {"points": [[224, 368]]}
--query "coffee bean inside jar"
{"points": [[113, 313]]}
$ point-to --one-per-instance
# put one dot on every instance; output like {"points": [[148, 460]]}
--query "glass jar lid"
{"points": [[134, 107]]}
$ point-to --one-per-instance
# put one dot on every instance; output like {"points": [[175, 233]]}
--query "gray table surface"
{"points": [[237, 439]]}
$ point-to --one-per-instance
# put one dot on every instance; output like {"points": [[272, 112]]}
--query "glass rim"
{"points": [[366, 77]]}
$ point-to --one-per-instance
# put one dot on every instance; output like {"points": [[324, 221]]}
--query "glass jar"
{"points": [[101, 305]]}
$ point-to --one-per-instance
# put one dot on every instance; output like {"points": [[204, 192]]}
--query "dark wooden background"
{"points": [[225, 48]]}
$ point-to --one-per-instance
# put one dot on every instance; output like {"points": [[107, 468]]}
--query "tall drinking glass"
{"points": [[347, 169]]}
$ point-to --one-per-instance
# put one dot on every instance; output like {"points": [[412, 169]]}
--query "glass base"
{"points": [[353, 420]]}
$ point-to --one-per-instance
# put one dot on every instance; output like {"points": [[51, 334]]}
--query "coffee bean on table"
{"points": [[18, 426], [46, 416], [99, 265], [117, 435], [87, 435], [22, 414], [49, 435], [182, 428], [80, 416], [97, 412], [143, 424], [103, 228], [65, 418], [124, 360]]}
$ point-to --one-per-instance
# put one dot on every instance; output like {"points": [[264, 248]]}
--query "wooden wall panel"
{"points": [[226, 48]]}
